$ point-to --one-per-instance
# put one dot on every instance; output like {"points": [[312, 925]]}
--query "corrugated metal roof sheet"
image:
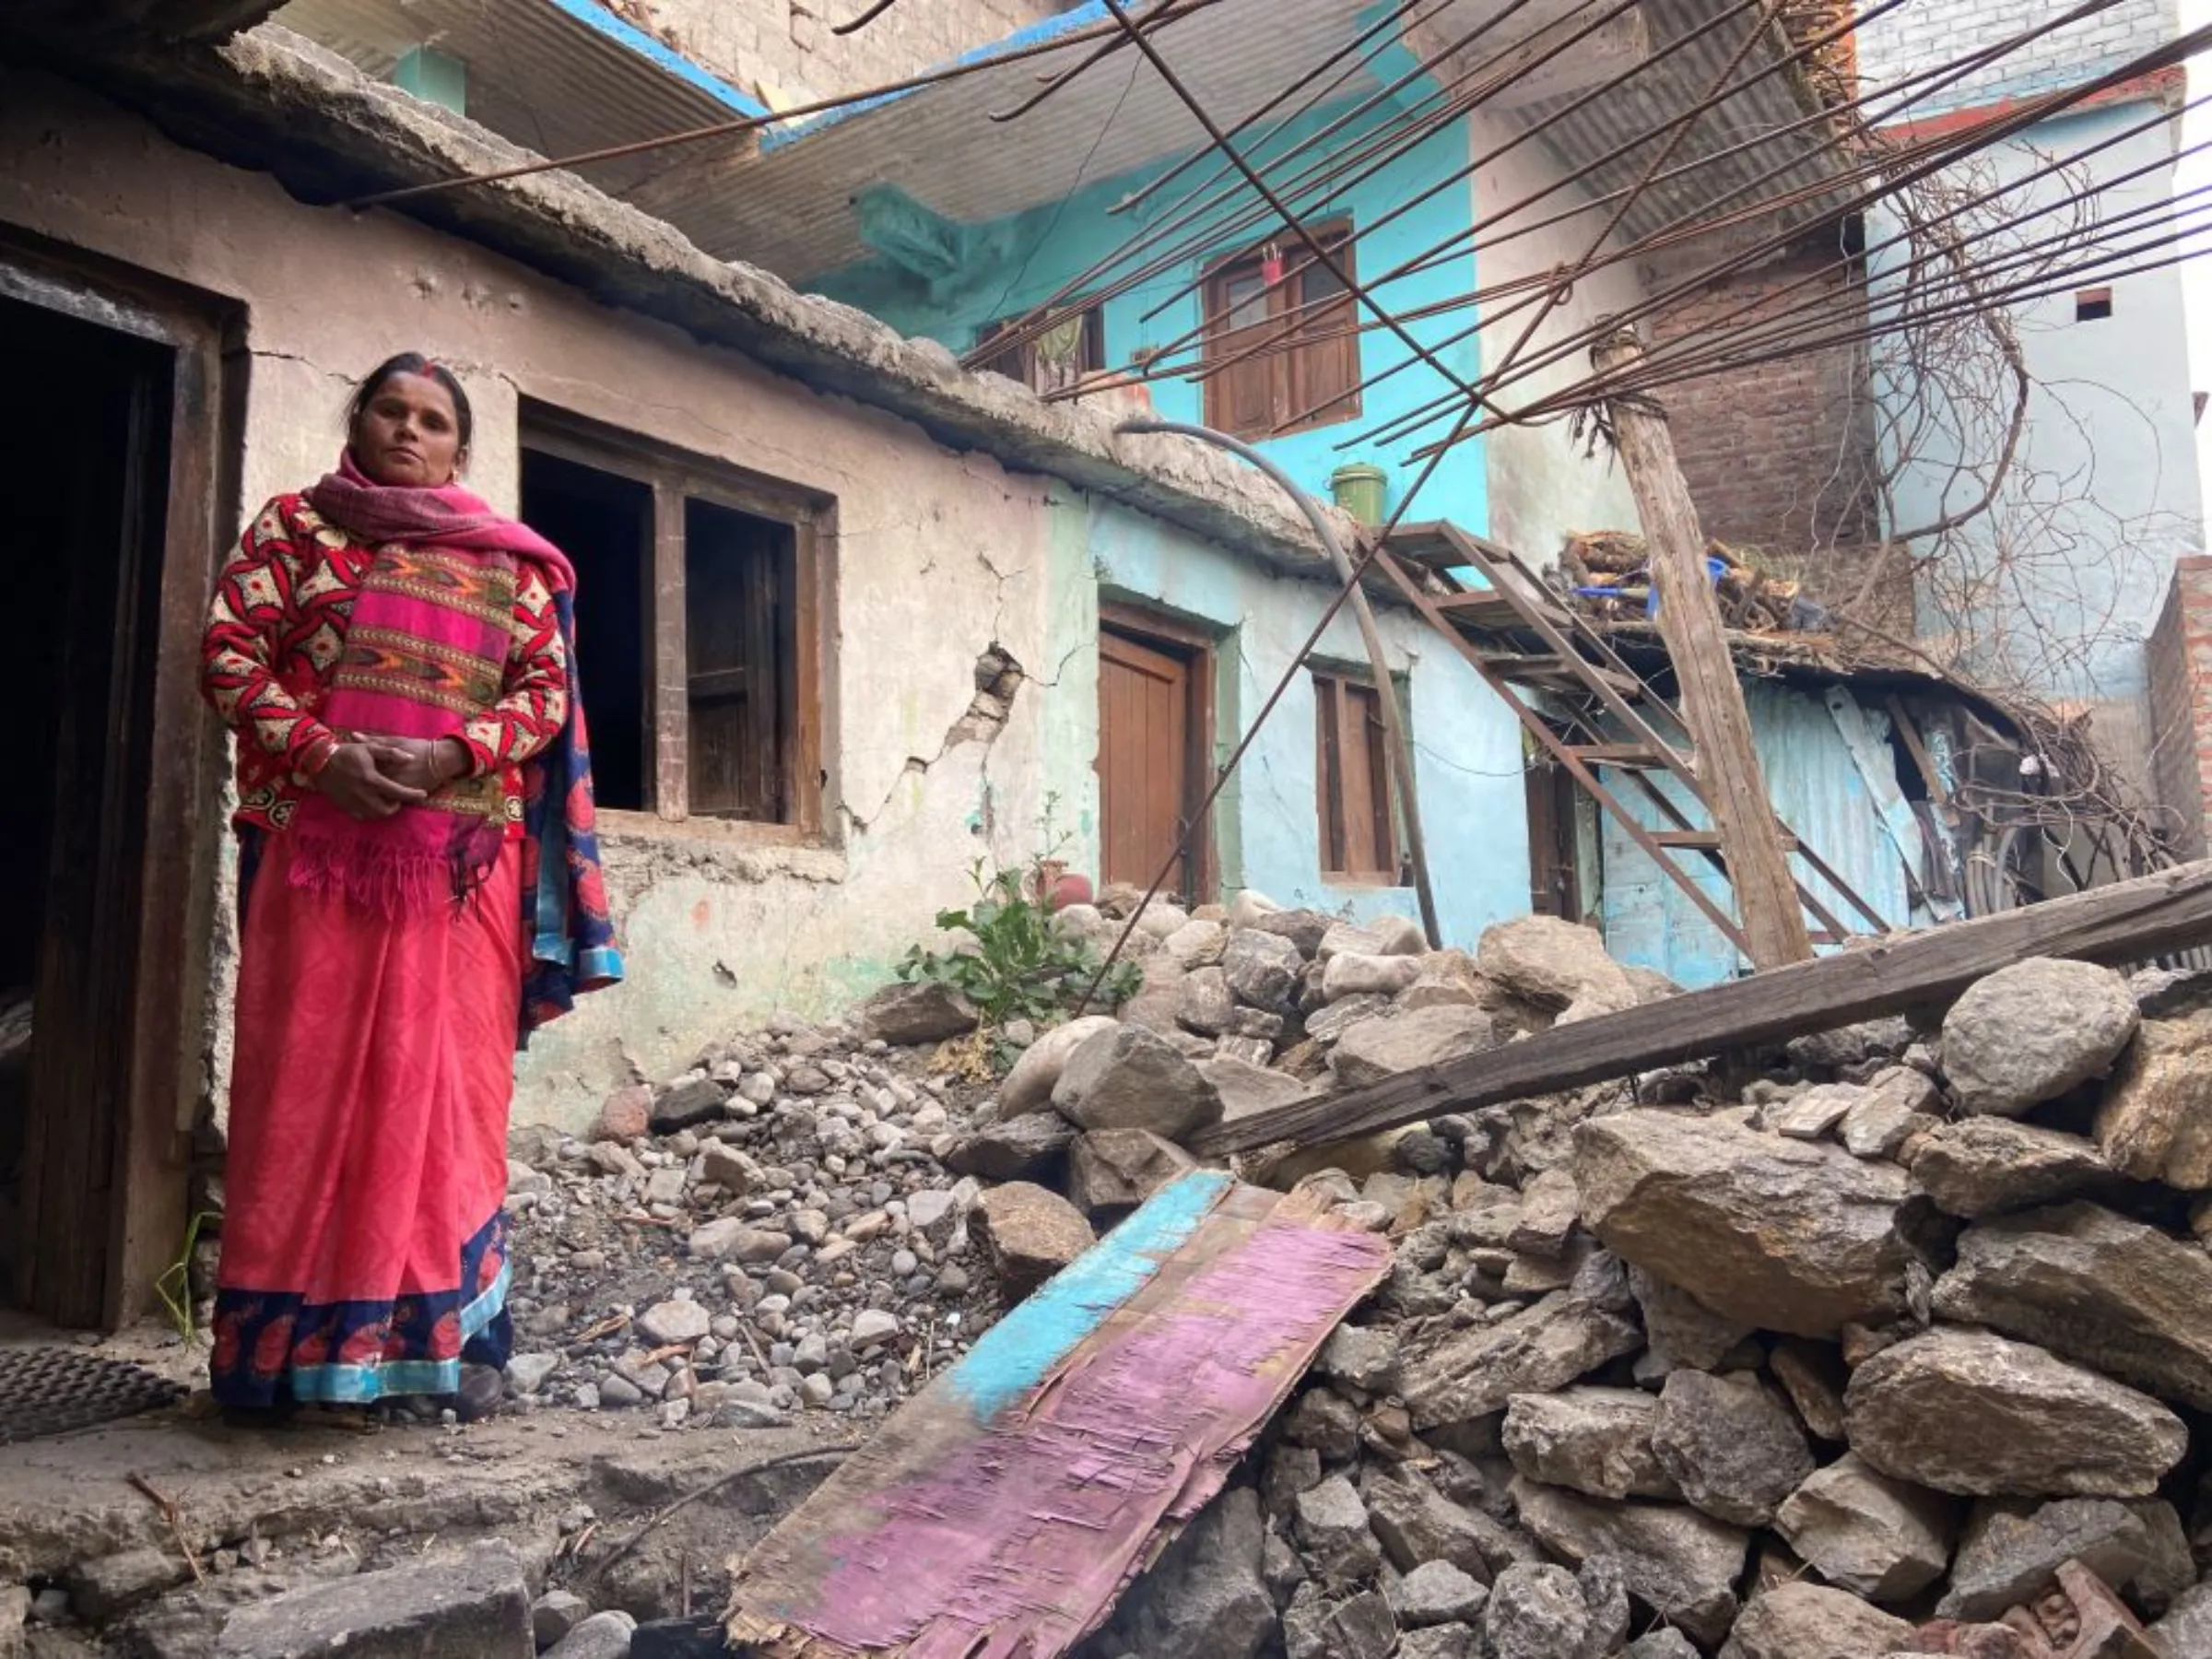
{"points": [[1720, 182], [940, 146], [1815, 789], [557, 76], [565, 75]]}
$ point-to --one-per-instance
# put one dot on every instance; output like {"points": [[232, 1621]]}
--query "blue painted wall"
{"points": [[1011, 264], [1467, 762], [1818, 792]]}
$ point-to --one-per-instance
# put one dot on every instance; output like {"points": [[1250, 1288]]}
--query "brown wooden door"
{"points": [[1145, 748]]}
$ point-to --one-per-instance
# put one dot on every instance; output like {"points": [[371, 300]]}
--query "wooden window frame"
{"points": [[675, 477], [1090, 357], [1290, 376], [1331, 741], [1198, 646]]}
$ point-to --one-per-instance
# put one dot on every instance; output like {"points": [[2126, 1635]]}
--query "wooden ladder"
{"points": [[1589, 680]]}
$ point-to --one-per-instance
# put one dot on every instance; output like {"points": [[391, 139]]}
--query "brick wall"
{"points": [[2179, 661], [1925, 34], [783, 51], [1780, 456]]}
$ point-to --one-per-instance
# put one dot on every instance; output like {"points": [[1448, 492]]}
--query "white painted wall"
{"points": [[1543, 482], [2108, 490]]}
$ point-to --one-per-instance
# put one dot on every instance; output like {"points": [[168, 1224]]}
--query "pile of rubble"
{"points": [[770, 1232], [1895, 1343]]}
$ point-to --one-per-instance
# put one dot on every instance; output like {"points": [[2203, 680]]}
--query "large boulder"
{"points": [[1731, 1446], [917, 1012], [2187, 1627], [1780, 1234], [1029, 1087], [1805, 1621], [1029, 1147], [1553, 963], [2029, 1032], [1535, 1612], [1028, 1234], [1863, 1531], [1436, 1592], [1984, 1166], [2155, 1122], [1680, 1564], [1352, 974], [2092, 1287], [1331, 1522], [1375, 1049], [1474, 1373], [1976, 1414], [1205, 1599], [1210, 1007], [1593, 1441], [1130, 1078]]}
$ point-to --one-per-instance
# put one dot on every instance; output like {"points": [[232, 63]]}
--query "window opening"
{"points": [[1359, 823], [1307, 326]]}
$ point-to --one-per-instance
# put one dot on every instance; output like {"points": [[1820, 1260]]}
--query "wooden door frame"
{"points": [[173, 975], [1194, 647]]}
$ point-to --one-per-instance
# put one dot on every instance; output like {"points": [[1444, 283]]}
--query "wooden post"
{"points": [[1712, 702]]}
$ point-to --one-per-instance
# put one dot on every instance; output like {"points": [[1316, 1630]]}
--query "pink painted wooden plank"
{"points": [[1011, 1537]]}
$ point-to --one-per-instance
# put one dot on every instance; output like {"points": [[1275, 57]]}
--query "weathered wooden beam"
{"points": [[2126, 923], [1713, 702]]}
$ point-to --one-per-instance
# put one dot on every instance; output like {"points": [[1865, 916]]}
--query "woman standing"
{"points": [[419, 882]]}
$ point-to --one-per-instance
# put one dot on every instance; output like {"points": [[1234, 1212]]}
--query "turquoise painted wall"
{"points": [[1467, 768], [1001, 269]]}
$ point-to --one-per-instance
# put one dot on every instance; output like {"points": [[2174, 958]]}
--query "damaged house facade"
{"points": [[839, 600], [852, 619]]}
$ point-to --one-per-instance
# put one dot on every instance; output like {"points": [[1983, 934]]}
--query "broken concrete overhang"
{"points": [[273, 102]]}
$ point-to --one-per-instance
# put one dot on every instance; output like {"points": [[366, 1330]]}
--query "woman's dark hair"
{"points": [[412, 362]]}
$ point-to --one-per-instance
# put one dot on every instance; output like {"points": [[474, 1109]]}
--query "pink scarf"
{"points": [[425, 651]]}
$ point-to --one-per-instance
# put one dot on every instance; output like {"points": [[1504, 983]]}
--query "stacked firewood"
{"points": [[1608, 573]]}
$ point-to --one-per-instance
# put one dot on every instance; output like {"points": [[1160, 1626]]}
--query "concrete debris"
{"points": [[474, 1603]]}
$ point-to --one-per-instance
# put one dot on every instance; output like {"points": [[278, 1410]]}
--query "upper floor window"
{"points": [[1055, 360], [1282, 300]]}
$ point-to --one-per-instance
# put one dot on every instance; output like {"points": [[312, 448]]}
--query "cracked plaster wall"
{"points": [[938, 555], [1467, 762]]}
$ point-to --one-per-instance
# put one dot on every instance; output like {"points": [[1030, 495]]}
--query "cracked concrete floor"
{"points": [[263, 1512]]}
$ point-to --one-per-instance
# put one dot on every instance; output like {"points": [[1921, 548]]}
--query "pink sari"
{"points": [[380, 991]]}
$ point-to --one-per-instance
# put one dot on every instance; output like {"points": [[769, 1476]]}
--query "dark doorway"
{"points": [[603, 523], [84, 467]]}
